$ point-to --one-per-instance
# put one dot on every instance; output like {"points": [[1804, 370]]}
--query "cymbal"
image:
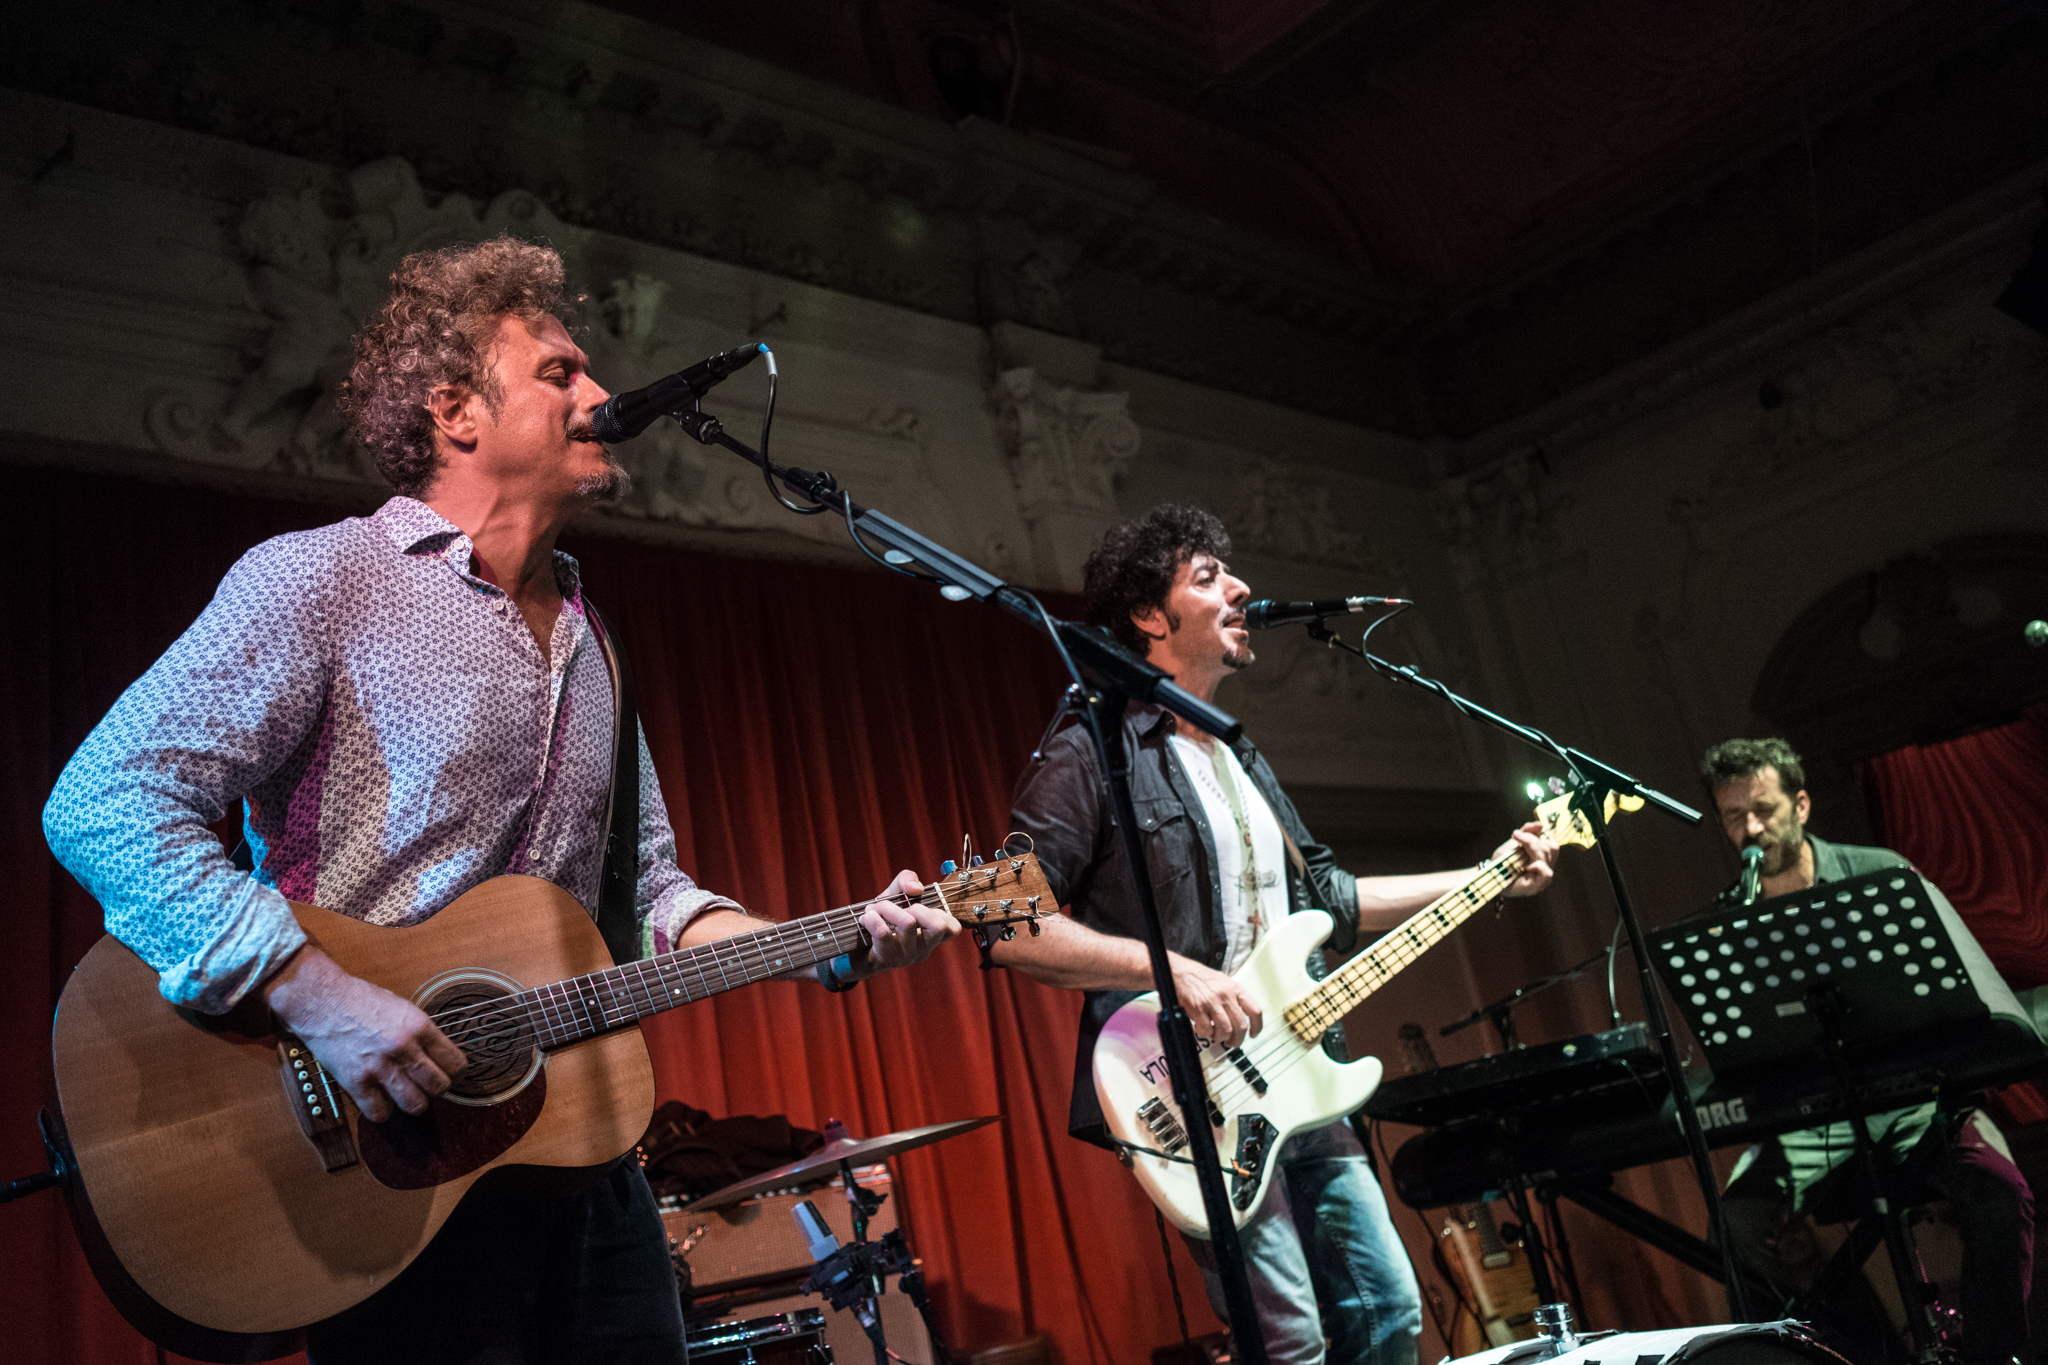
{"points": [[824, 1163]]}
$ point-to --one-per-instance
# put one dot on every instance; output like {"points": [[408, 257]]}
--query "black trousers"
{"points": [[583, 1279]]}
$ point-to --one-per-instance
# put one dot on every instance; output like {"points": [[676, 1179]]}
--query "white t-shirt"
{"points": [[1243, 912]]}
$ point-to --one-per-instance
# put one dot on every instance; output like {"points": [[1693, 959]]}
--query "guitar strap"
{"points": [[620, 878], [1294, 854]]}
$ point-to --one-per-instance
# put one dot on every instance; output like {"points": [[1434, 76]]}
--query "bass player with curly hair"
{"points": [[1229, 857]]}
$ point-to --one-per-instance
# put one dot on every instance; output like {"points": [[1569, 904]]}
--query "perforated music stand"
{"points": [[1842, 966], [1742, 976]]}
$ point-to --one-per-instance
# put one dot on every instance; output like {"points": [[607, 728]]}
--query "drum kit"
{"points": [[851, 1277]]}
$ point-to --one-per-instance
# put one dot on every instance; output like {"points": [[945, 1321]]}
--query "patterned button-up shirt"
{"points": [[399, 739]]}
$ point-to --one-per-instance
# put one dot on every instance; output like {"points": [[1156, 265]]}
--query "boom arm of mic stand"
{"points": [[1593, 781], [1114, 664], [1123, 675]]}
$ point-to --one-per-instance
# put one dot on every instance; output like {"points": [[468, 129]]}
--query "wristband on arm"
{"points": [[829, 974]]}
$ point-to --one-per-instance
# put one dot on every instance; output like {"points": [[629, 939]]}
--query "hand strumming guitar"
{"points": [[1218, 1005], [381, 1047]]}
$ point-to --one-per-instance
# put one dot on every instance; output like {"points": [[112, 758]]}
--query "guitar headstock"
{"points": [[1562, 825], [997, 894]]}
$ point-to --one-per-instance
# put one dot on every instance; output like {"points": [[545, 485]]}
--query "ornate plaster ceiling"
{"points": [[1591, 177]]}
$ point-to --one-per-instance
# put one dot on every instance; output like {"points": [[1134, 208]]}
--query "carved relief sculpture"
{"points": [[1067, 448]]}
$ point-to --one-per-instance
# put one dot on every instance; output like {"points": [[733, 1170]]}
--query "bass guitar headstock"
{"points": [[1564, 825], [993, 896]]}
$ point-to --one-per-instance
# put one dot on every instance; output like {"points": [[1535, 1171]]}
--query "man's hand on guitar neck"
{"points": [[381, 1048], [1385, 902], [902, 929]]}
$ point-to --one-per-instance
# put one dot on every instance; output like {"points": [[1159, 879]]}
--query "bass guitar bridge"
{"points": [[1167, 1134]]}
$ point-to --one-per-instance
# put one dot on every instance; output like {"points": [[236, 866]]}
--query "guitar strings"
{"points": [[702, 959], [1381, 964]]}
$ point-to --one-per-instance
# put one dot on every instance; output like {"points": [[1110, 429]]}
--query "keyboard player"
{"points": [[1758, 790]]}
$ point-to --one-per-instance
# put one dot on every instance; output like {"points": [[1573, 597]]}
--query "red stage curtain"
{"points": [[814, 729], [1972, 815]]}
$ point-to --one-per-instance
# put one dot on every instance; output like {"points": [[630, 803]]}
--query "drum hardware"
{"points": [[1554, 1325], [1769, 1343], [853, 1277], [837, 1157], [783, 1339]]}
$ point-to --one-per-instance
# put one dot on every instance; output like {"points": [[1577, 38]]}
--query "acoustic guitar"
{"points": [[228, 1193]]}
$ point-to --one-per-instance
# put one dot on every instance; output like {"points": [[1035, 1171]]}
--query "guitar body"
{"points": [[1496, 1283], [1303, 1088], [192, 1166]]}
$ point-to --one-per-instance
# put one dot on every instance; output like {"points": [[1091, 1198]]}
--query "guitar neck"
{"points": [[586, 1006], [1346, 988]]}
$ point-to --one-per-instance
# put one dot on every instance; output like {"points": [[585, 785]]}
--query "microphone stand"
{"points": [[1591, 783], [1501, 1011], [1114, 677]]}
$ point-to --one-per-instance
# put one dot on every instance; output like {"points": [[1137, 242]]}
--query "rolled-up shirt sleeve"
{"points": [[665, 898], [231, 701]]}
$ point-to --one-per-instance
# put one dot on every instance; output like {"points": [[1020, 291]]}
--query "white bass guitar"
{"points": [[1280, 1082]]}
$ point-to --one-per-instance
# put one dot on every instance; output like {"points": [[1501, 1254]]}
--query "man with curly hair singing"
{"points": [[1228, 855], [412, 703]]}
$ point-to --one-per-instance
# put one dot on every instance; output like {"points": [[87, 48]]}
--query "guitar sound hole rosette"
{"points": [[504, 1056]]}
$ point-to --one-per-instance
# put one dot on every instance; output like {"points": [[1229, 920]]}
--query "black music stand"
{"points": [[1837, 968], [1744, 977]]}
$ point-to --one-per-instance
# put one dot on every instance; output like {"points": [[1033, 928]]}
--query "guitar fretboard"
{"points": [[565, 1012], [1347, 987]]}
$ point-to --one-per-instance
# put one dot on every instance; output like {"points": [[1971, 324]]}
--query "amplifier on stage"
{"points": [[751, 1243]]}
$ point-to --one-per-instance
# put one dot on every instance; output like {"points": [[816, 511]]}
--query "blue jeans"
{"points": [[1324, 1260]]}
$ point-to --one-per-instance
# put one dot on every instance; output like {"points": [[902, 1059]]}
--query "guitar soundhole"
{"points": [[496, 1036]]}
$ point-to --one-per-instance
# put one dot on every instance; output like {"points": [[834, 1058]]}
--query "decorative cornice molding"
{"points": [[616, 126], [1067, 448], [1989, 227]]}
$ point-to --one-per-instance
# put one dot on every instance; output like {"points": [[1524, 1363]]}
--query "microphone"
{"points": [[625, 415], [842, 1273], [1264, 615], [1752, 873]]}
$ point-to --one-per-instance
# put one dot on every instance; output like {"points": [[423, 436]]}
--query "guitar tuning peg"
{"points": [[1036, 930], [948, 868], [1010, 932], [976, 862]]}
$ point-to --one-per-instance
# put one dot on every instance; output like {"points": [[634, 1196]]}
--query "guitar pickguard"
{"points": [[407, 1152]]}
